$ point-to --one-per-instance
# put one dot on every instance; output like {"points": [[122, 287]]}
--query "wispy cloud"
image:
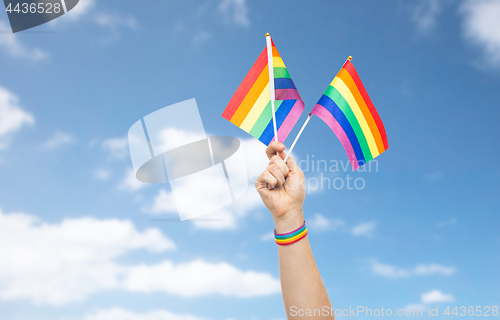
{"points": [[117, 148], [82, 9], [448, 222], [425, 14], [86, 11], [482, 28], [394, 272], [267, 237], [364, 229], [10, 43], [102, 174], [320, 222], [235, 12], [436, 296], [200, 38], [163, 202], [59, 139], [114, 20], [12, 116], [130, 183]]}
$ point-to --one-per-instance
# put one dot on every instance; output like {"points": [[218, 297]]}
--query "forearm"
{"points": [[281, 187], [301, 283]]}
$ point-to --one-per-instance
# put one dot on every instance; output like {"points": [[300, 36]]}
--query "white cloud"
{"points": [[116, 147], [423, 269], [255, 157], [200, 38], [199, 278], [425, 14], [482, 28], [115, 20], [130, 182], [436, 296], [67, 261], [267, 237], [57, 263], [59, 139], [389, 271], [223, 219], [82, 9], [109, 20], [231, 215], [12, 116], [171, 138], [120, 314], [163, 202], [235, 11], [320, 222], [394, 272], [102, 174], [448, 222], [228, 217], [10, 43], [364, 229]]}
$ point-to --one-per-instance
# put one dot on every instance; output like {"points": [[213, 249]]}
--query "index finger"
{"points": [[274, 147]]}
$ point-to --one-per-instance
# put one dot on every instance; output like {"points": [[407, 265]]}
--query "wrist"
{"points": [[289, 221]]}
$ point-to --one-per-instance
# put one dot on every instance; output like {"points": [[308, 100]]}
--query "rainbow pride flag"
{"points": [[347, 109], [250, 107]]}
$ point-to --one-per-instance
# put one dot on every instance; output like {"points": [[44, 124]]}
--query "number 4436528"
{"points": [[34, 8], [477, 311]]}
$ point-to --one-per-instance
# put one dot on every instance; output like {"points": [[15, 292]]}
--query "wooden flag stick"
{"points": [[271, 81], [297, 137]]}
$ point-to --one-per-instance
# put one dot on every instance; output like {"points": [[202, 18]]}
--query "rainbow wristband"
{"points": [[286, 239]]}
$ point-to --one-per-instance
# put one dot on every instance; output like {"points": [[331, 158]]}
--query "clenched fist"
{"points": [[281, 187]]}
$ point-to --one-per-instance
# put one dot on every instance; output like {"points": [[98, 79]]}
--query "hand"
{"points": [[281, 187]]}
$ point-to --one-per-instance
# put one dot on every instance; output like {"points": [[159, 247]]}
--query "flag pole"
{"points": [[271, 81], [303, 127], [297, 137]]}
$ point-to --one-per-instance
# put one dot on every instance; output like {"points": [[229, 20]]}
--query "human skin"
{"points": [[281, 187]]}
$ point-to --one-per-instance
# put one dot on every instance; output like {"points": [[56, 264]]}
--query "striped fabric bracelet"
{"points": [[286, 239]]}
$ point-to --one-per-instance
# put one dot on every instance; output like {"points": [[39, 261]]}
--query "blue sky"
{"points": [[77, 236]]}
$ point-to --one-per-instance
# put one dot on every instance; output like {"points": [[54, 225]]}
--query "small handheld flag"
{"points": [[251, 107], [348, 110]]}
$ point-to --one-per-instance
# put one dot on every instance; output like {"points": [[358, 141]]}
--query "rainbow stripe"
{"points": [[250, 107], [348, 111], [291, 237]]}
